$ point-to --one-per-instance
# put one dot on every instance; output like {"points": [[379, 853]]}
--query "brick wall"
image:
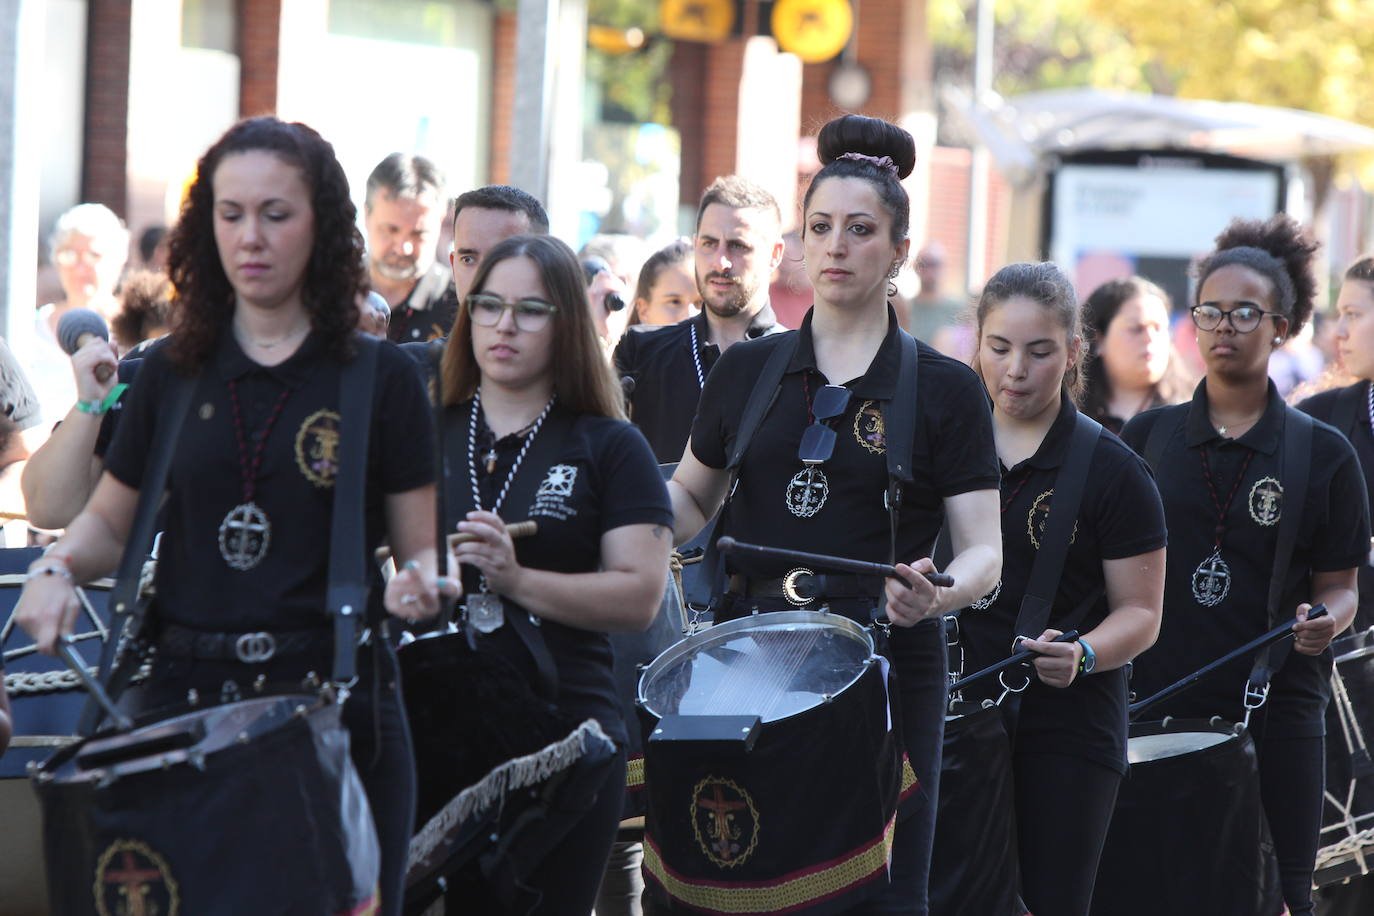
{"points": [[948, 221], [259, 41], [502, 95], [891, 44], [706, 81], [104, 163]]}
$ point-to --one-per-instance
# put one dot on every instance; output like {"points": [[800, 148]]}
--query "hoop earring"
{"points": [[891, 290], [896, 269]]}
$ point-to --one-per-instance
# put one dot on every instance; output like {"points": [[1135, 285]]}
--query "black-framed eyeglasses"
{"points": [[818, 442], [530, 314], [1244, 318]]}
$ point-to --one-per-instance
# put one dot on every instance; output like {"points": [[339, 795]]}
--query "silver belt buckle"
{"points": [[789, 587], [255, 648]]}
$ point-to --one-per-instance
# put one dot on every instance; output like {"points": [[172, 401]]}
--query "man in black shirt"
{"points": [[738, 245], [403, 210]]}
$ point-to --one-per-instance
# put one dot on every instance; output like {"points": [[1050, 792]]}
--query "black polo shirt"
{"points": [[952, 453], [285, 591], [428, 311], [1347, 409], [604, 477], [1334, 535], [1120, 516], [666, 384]]}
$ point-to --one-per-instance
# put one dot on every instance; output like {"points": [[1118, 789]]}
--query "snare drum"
{"points": [[1189, 833], [1347, 835], [794, 810], [248, 807]]}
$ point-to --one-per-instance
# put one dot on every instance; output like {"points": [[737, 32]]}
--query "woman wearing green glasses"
{"points": [[534, 430], [1222, 463]]}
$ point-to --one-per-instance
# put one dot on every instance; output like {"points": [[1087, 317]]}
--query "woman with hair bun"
{"points": [[1132, 365], [1220, 462], [843, 374], [1068, 726]]}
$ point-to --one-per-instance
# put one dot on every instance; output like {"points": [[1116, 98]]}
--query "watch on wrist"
{"points": [[1089, 660]]}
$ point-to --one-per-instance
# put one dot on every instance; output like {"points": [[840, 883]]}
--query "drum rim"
{"points": [[691, 643], [1364, 639]]}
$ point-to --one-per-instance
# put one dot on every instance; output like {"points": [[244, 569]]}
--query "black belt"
{"points": [[252, 648], [802, 587]]}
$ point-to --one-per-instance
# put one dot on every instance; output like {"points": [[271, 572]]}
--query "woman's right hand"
{"points": [[96, 359], [47, 607]]}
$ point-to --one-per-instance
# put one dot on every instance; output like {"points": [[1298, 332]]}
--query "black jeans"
{"points": [[378, 734], [1292, 777]]}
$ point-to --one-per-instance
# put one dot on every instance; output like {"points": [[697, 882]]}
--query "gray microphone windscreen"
{"points": [[75, 324]]}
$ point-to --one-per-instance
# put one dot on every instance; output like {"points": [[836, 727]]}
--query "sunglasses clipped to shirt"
{"points": [[530, 314], [818, 442]]}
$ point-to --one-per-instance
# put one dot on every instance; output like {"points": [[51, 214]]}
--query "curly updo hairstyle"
{"points": [[1044, 284], [1277, 248], [335, 276], [873, 139]]}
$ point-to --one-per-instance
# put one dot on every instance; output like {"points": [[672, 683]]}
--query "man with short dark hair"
{"points": [[738, 244], [487, 215], [402, 212]]}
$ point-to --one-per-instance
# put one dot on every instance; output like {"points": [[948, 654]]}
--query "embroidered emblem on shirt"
{"points": [[1039, 516], [725, 821], [317, 448], [1266, 501], [868, 428], [133, 880], [551, 499]]}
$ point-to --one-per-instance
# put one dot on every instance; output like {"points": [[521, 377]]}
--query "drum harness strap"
{"points": [[899, 422], [1037, 604], [1296, 465], [347, 592]]}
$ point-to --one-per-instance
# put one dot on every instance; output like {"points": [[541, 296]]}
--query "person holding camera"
{"points": [[738, 244]]}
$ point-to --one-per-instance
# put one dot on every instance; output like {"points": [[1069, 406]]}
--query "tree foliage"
{"points": [[632, 87]]}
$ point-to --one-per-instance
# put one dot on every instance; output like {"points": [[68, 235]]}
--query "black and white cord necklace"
{"points": [[696, 359], [484, 609]]}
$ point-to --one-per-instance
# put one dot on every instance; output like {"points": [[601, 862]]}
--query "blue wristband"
{"points": [[1089, 660]]}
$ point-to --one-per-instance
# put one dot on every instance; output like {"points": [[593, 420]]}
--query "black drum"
{"points": [[1347, 836], [46, 702], [248, 807], [773, 765], [1189, 834]]}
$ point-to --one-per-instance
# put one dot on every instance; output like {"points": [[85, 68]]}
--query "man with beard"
{"points": [[738, 244], [402, 213]]}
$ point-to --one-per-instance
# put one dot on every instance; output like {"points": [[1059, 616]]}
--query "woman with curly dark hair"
{"points": [[1132, 365], [1229, 469], [267, 263]]}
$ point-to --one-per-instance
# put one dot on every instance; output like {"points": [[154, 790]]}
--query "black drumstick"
{"points": [[78, 667], [824, 561], [1015, 658], [1279, 633]]}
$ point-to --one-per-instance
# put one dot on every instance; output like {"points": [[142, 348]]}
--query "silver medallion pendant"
{"points": [[485, 612], [988, 600], [807, 492], [1211, 580], [244, 536]]}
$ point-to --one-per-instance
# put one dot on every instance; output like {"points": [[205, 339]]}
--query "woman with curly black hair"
{"points": [[268, 265], [1229, 468]]}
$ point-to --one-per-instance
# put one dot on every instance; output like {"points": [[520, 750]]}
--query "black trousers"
{"points": [[1292, 777], [374, 716], [1063, 809]]}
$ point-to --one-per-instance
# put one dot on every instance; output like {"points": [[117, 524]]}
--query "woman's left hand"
{"points": [[911, 598], [1311, 637], [412, 595], [491, 551], [1057, 664]]}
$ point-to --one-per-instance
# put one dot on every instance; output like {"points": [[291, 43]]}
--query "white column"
{"points": [[21, 68], [536, 47]]}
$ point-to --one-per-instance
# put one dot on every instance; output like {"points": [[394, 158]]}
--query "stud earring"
{"points": [[1277, 341]]}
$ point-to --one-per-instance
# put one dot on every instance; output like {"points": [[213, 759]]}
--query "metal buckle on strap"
{"points": [[789, 587], [255, 648], [1255, 697]]}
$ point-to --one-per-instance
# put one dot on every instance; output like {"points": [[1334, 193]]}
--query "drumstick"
{"points": [[1015, 658], [74, 662], [514, 529], [823, 561], [1278, 634]]}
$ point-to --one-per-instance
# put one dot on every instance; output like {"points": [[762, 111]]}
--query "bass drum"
{"points": [[46, 702], [773, 767], [1346, 856], [1189, 812]]}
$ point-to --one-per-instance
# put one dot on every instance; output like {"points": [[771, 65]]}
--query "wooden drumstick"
{"points": [[514, 529]]}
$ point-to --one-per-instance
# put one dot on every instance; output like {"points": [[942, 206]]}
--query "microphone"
{"points": [[627, 386], [76, 328]]}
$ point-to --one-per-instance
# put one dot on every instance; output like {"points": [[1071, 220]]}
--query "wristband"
{"points": [[49, 570], [96, 408], [1089, 660]]}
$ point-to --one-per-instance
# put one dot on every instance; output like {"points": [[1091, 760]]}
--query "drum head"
{"points": [[1141, 748], [771, 665]]}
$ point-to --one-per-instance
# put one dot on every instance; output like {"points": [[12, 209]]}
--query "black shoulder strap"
{"points": [[346, 597], [1069, 485], [1169, 420], [899, 431], [761, 399], [126, 609], [1297, 466]]}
